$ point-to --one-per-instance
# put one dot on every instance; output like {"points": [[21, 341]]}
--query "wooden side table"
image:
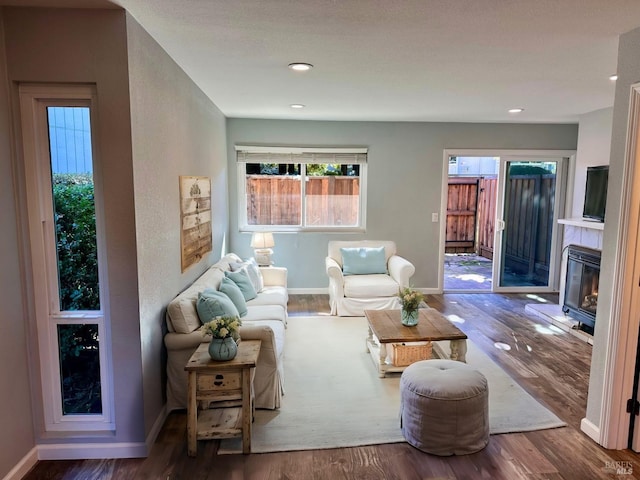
{"points": [[225, 391]]}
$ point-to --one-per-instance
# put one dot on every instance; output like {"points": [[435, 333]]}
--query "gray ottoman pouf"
{"points": [[444, 407]]}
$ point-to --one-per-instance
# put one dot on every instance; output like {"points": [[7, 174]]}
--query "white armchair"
{"points": [[350, 295]]}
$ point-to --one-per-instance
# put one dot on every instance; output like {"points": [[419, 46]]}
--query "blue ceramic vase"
{"points": [[223, 349]]}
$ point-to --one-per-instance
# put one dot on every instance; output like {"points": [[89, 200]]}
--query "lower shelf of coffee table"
{"points": [[385, 366]]}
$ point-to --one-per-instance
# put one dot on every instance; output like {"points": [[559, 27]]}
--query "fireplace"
{"points": [[581, 288]]}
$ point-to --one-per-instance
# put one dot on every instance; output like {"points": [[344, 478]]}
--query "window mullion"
{"points": [[303, 195]]}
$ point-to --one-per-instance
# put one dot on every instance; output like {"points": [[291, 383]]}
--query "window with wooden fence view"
{"points": [[328, 197]]}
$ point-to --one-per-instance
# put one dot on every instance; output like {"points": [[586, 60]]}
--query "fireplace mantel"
{"points": [[582, 223]]}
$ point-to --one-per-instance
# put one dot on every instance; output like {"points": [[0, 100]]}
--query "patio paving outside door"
{"points": [[467, 272]]}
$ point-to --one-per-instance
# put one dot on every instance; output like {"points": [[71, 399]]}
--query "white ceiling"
{"points": [[402, 60]]}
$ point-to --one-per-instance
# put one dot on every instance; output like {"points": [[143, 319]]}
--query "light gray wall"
{"points": [[15, 401], [154, 125], [594, 148], [404, 182], [89, 46], [176, 130], [628, 74]]}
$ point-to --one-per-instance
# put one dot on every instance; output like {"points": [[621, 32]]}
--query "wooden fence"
{"points": [[529, 216], [276, 200], [462, 205], [487, 196], [471, 212]]}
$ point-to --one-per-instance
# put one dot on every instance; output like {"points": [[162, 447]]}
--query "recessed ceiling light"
{"points": [[613, 77], [516, 110], [300, 66], [297, 105]]}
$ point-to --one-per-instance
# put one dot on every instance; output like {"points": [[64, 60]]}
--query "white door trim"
{"points": [[622, 332]]}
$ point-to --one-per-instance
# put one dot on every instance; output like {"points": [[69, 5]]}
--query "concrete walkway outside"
{"points": [[467, 271]]}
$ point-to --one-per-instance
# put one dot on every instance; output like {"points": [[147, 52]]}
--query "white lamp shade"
{"points": [[262, 240]]}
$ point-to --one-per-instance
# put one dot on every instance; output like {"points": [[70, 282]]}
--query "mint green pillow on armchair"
{"points": [[363, 260]]}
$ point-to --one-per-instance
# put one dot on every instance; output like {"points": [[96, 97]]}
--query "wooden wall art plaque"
{"points": [[195, 219]]}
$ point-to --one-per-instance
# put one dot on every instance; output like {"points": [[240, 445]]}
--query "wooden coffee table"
{"points": [[385, 328]]}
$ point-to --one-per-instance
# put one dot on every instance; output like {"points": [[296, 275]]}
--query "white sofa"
{"points": [[350, 295], [266, 320]]}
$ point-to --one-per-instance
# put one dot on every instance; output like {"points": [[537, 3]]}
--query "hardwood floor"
{"points": [[550, 364]]}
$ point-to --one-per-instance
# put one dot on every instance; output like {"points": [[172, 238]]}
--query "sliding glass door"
{"points": [[526, 244]]}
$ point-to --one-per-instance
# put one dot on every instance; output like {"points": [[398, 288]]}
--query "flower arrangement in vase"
{"points": [[224, 333], [410, 300]]}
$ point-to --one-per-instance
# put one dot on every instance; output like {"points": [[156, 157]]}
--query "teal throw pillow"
{"points": [[231, 290], [212, 304], [241, 278], [363, 261], [253, 271]]}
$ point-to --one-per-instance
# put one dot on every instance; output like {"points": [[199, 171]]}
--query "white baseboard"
{"points": [[590, 429], [23, 466], [85, 451], [157, 426], [309, 291], [429, 291]]}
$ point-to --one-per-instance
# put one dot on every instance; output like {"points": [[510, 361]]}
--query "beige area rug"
{"points": [[334, 397]]}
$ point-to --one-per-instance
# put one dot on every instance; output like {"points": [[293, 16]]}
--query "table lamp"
{"points": [[262, 242]]}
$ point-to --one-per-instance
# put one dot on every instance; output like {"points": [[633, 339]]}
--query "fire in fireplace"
{"points": [[581, 288]]}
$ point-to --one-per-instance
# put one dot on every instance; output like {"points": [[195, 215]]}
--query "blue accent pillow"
{"points": [[212, 304], [363, 261], [241, 278], [252, 270], [231, 290]]}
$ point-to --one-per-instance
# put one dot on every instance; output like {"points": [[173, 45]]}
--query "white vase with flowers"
{"points": [[224, 333]]}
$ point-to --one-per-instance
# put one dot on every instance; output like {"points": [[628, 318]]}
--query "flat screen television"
{"points": [[595, 193]]}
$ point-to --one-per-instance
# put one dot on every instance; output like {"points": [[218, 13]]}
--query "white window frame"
{"points": [[34, 100], [324, 152]]}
